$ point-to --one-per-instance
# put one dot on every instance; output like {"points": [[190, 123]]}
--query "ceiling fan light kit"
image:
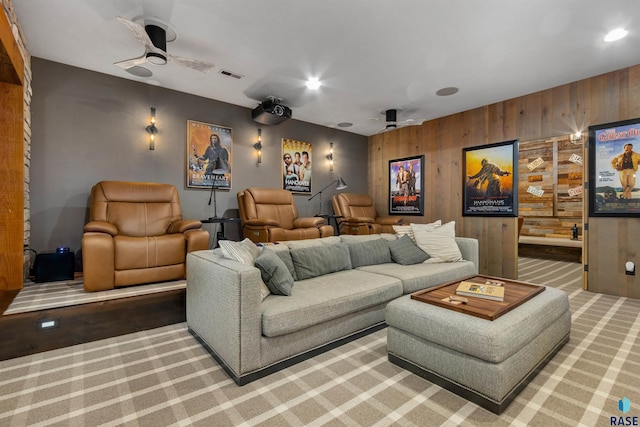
{"points": [[154, 37]]}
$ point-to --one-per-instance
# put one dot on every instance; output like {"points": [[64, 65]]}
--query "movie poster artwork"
{"points": [[208, 156], [296, 166], [406, 184], [614, 155], [488, 183]]}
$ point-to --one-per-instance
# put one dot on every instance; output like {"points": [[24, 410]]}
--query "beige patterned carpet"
{"points": [[164, 377]]}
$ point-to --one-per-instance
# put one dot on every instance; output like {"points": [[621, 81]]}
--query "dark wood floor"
{"points": [[23, 333]]}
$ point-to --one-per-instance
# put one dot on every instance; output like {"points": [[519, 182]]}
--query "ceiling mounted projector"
{"points": [[271, 112]]}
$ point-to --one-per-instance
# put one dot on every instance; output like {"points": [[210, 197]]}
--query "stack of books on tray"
{"points": [[481, 290]]}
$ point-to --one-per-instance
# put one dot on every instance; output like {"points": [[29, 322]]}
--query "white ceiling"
{"points": [[370, 55]]}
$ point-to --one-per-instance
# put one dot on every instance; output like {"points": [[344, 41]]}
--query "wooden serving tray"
{"points": [[515, 293]]}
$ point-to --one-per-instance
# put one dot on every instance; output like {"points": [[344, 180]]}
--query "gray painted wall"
{"points": [[88, 127]]}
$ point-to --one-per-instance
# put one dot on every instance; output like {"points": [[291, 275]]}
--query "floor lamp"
{"points": [[341, 185], [213, 192]]}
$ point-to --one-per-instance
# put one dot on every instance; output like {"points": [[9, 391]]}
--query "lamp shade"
{"points": [[341, 184]]}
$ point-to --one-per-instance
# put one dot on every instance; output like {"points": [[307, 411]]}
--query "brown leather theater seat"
{"points": [[270, 215], [136, 235], [360, 216]]}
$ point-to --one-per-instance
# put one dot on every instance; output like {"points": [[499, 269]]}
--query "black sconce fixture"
{"points": [[330, 157], [258, 147], [152, 130]]}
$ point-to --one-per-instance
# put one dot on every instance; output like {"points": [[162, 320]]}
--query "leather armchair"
{"points": [[359, 216], [270, 215], [136, 235]]}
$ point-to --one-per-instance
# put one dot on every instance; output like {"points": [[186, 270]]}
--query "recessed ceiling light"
{"points": [[447, 91], [616, 34], [345, 125], [313, 83]]}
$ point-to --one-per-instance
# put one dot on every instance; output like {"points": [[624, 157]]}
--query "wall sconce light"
{"points": [[152, 130], [330, 157], [258, 146], [576, 138]]}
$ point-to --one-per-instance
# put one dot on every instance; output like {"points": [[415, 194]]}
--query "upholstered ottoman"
{"points": [[486, 362]]}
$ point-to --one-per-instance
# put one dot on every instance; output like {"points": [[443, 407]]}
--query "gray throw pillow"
{"points": [[312, 262], [369, 252], [274, 273], [404, 251], [285, 256]]}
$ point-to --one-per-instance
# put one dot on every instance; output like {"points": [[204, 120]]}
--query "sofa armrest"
{"points": [[223, 308], [308, 222], [101, 227], [183, 225], [469, 249], [357, 220], [262, 222], [389, 220]]}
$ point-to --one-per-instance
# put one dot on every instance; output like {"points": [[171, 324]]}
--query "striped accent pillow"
{"points": [[439, 243], [401, 230], [245, 252]]}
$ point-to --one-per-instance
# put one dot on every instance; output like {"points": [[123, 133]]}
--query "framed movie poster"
{"points": [[296, 166], [614, 154], [406, 182], [488, 183], [208, 156]]}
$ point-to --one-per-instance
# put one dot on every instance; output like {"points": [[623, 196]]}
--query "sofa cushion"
{"points": [[312, 243], [439, 243], [404, 251], [422, 276], [317, 261], [354, 238], [324, 298], [369, 252], [274, 273], [283, 252]]}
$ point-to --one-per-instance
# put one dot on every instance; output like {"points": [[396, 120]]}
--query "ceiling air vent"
{"points": [[231, 74]]}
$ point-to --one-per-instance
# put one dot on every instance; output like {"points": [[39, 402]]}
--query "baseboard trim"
{"points": [[471, 395], [268, 370]]}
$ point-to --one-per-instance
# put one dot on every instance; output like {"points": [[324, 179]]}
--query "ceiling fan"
{"points": [[154, 38], [391, 118]]}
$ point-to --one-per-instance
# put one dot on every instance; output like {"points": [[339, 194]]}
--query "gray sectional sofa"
{"points": [[252, 337]]}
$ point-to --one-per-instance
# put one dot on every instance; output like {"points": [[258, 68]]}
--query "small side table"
{"points": [[221, 235]]}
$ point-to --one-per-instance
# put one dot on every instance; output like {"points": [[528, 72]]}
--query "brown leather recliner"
{"points": [[136, 235], [359, 216], [270, 215]]}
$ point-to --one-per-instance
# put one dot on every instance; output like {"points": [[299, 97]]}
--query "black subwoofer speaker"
{"points": [[52, 267]]}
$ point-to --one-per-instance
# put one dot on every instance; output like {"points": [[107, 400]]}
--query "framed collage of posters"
{"points": [[406, 183], [208, 156], [614, 155], [296, 166], [488, 183]]}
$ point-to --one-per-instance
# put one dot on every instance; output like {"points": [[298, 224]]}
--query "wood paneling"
{"points": [[554, 112], [11, 160]]}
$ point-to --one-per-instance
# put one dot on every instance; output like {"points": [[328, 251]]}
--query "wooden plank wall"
{"points": [[11, 159], [554, 112]]}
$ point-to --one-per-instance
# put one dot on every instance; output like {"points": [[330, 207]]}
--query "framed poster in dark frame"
{"points": [[406, 184], [489, 187], [614, 155]]}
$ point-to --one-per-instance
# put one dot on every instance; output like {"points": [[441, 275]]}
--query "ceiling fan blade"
{"points": [[128, 63], [202, 66], [138, 32]]}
